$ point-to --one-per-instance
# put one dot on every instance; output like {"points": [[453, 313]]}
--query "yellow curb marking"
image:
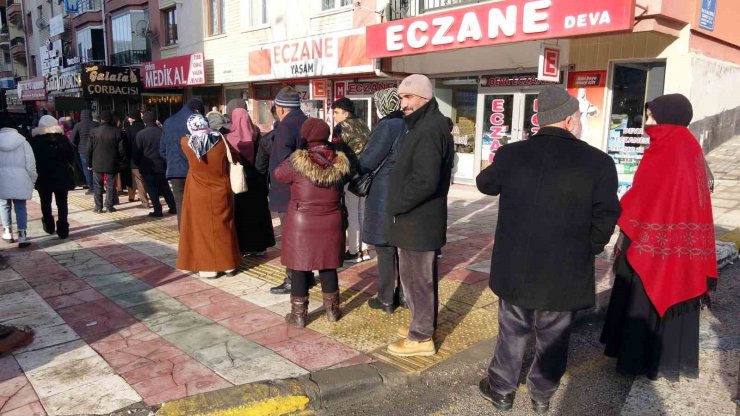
{"points": [[271, 407], [731, 237]]}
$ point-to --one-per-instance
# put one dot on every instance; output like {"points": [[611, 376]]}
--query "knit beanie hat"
{"points": [[671, 109], [196, 105], [288, 98], [418, 85], [345, 104], [148, 117], [48, 121], [555, 105], [387, 101], [315, 130]]}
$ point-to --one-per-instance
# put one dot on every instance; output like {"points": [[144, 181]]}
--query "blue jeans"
{"points": [[20, 212], [86, 171]]}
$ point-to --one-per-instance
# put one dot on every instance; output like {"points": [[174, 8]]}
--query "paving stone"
{"points": [[47, 336], [216, 346], [252, 321], [94, 270], [13, 286], [135, 298], [131, 286], [7, 275], [103, 396], [152, 310], [179, 322], [267, 367], [61, 354], [53, 379]]}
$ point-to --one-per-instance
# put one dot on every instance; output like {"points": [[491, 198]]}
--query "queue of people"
{"points": [[558, 209]]}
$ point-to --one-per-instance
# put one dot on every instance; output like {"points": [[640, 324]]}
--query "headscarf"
{"points": [[202, 138], [234, 104], [671, 109], [242, 134], [668, 211], [387, 101]]}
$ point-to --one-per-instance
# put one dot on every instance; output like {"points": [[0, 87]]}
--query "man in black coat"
{"points": [[557, 209], [106, 155], [134, 125], [417, 210], [286, 140], [81, 138], [152, 166]]}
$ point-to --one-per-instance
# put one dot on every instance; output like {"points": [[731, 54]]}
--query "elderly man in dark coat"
{"points": [[558, 207], [81, 139], [417, 210], [286, 140], [106, 156]]}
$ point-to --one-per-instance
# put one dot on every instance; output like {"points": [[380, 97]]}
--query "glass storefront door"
{"points": [[505, 118]]}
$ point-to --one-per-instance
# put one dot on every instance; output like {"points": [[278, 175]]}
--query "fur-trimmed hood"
{"points": [[307, 167], [38, 131]]}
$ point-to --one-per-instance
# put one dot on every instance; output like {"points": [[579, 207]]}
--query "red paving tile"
{"points": [[83, 296], [184, 286], [206, 384], [252, 321], [159, 275], [280, 333], [158, 397], [360, 359], [204, 297], [65, 287], [226, 308], [16, 393], [151, 387], [31, 409], [312, 355]]}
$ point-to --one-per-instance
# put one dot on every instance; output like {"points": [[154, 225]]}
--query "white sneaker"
{"points": [[208, 275], [22, 240], [8, 235], [366, 255]]}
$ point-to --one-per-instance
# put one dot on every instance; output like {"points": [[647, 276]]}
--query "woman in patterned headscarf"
{"points": [[666, 261], [208, 242], [384, 139]]}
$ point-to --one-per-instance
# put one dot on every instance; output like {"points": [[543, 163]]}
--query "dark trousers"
{"points": [[420, 288], [85, 171], [156, 185], [177, 186], [108, 180], [300, 279], [60, 196], [552, 336], [287, 279], [387, 273]]}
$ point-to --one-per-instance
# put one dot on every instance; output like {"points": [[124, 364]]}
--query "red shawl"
{"points": [[668, 216], [242, 133]]}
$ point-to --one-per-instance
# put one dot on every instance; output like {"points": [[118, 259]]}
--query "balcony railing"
{"points": [[6, 69], [400, 9], [130, 57], [13, 10], [87, 6]]}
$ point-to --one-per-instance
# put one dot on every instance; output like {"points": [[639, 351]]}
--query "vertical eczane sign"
{"points": [[549, 65]]}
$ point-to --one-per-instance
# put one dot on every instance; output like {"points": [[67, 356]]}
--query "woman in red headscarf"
{"points": [[666, 261], [251, 210]]}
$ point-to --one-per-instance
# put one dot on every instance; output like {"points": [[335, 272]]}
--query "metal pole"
{"points": [[26, 38], [105, 32]]}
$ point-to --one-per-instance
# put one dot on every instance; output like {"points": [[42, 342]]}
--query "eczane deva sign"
{"points": [[496, 23]]}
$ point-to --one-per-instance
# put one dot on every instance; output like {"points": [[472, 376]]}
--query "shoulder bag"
{"points": [[360, 183], [236, 172]]}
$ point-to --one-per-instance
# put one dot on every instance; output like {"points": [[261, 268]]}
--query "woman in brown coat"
{"points": [[313, 235], [208, 242]]}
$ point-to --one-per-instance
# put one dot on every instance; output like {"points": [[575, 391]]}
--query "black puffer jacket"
{"points": [[81, 131], [146, 151], [419, 182], [55, 157]]}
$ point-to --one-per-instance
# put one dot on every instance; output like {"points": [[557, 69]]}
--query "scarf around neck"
{"points": [[242, 134], [668, 216]]}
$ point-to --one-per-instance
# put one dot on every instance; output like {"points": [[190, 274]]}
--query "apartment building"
{"points": [[13, 65]]}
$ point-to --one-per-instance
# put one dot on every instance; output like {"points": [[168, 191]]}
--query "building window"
{"points": [[254, 13], [29, 23], [90, 45], [87, 5], [216, 17], [130, 34], [334, 4], [170, 26]]}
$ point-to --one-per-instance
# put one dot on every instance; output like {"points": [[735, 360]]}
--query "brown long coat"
{"points": [[207, 231], [313, 236]]}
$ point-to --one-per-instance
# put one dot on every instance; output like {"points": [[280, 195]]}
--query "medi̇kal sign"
{"points": [[180, 71], [496, 23], [315, 56]]}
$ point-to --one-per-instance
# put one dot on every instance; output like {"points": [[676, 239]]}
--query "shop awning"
{"points": [[69, 103]]}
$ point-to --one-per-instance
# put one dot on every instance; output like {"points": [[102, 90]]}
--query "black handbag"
{"points": [[360, 184]]}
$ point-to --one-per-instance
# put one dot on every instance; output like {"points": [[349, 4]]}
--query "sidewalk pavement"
{"points": [[117, 325]]}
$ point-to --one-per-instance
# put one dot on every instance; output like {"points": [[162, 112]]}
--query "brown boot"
{"points": [[331, 304], [298, 311]]}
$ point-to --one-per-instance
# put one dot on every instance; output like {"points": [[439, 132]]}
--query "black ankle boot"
{"points": [[47, 223], [62, 229]]}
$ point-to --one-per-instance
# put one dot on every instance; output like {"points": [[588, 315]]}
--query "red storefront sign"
{"points": [[350, 88], [549, 66], [495, 23], [180, 71], [32, 89], [586, 79]]}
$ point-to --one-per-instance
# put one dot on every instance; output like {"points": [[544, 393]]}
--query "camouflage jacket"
{"points": [[354, 133]]}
